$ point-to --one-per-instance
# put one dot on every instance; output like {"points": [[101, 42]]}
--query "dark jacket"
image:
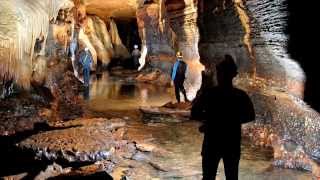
{"points": [[178, 74], [222, 112]]}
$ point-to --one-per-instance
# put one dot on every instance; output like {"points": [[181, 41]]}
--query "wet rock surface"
{"points": [[82, 141], [20, 113], [52, 171], [65, 89], [170, 112], [155, 76], [285, 123], [28, 112]]}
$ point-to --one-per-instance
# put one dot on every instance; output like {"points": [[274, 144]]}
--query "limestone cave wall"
{"points": [[182, 17], [158, 40], [253, 32], [19, 30]]}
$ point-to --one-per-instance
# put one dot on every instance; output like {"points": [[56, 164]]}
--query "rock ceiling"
{"points": [[122, 9]]}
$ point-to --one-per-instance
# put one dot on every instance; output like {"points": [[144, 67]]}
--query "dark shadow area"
{"points": [[127, 90], [174, 5], [129, 33], [43, 92], [15, 160], [304, 34]]}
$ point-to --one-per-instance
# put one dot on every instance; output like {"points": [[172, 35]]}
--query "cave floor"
{"points": [[175, 147], [181, 142]]}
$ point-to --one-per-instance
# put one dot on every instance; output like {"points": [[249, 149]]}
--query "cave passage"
{"points": [[126, 123], [129, 33]]}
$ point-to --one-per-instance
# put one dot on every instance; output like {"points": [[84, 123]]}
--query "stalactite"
{"points": [[161, 15], [245, 21], [102, 53], [103, 34], [19, 29], [119, 49]]}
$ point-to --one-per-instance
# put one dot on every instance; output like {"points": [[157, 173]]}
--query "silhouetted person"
{"points": [[222, 109], [178, 76]]}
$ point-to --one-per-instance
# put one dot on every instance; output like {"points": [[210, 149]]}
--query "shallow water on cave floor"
{"points": [[181, 141], [111, 93]]}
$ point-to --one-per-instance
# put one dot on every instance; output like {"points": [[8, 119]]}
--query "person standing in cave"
{"points": [[222, 109], [178, 76], [86, 60], [136, 55]]}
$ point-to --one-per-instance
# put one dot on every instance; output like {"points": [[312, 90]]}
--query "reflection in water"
{"points": [[127, 90], [99, 76], [144, 96], [183, 141], [86, 93], [110, 93]]}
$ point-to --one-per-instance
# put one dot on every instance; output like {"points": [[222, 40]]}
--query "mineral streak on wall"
{"points": [[245, 21]]}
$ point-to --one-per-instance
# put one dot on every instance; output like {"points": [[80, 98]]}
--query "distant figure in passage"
{"points": [[178, 76], [222, 109], [136, 55], [86, 60]]}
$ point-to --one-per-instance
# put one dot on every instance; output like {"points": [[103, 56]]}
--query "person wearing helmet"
{"points": [[222, 109], [136, 55], [86, 60], [178, 76]]}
